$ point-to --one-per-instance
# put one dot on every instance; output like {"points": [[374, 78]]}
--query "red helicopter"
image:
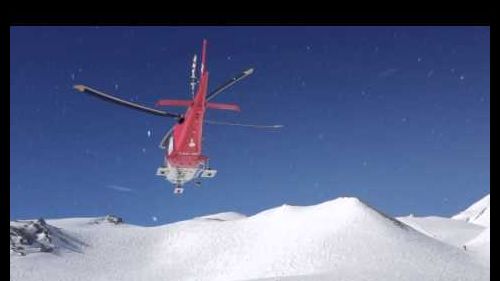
{"points": [[183, 160]]}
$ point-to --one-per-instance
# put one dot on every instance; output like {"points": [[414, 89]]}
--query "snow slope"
{"points": [[456, 233], [478, 213], [342, 239], [480, 246], [453, 232]]}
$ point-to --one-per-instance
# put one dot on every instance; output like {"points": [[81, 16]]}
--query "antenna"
{"points": [[203, 56], [193, 79]]}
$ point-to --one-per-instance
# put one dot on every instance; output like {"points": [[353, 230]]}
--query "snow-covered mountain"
{"points": [[478, 213], [342, 239]]}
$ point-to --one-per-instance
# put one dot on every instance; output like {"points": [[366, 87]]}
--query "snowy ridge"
{"points": [[453, 232], [226, 216], [478, 213], [341, 239]]}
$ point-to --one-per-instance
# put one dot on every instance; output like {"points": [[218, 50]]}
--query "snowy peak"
{"points": [[337, 213], [478, 213], [349, 205]]}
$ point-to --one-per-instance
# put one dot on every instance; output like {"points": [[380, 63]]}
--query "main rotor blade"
{"points": [[244, 125], [229, 83], [113, 99]]}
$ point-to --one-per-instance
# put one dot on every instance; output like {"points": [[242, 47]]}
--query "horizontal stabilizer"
{"points": [[223, 106]]}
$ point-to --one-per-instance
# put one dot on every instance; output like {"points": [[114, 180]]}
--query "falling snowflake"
{"points": [[149, 133], [419, 59], [72, 77], [116, 86], [154, 218], [144, 150], [462, 77]]}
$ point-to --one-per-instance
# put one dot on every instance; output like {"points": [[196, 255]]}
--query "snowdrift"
{"points": [[342, 239]]}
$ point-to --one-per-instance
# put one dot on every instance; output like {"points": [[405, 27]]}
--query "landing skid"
{"points": [[208, 173]]}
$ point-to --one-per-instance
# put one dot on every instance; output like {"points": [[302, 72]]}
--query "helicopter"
{"points": [[183, 160]]}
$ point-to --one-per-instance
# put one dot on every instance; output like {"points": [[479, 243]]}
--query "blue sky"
{"points": [[396, 116]]}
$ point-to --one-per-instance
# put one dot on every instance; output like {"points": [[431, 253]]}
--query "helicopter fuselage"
{"points": [[183, 159]]}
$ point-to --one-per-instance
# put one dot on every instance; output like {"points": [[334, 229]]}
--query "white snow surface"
{"points": [[478, 213], [480, 246], [341, 239]]}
